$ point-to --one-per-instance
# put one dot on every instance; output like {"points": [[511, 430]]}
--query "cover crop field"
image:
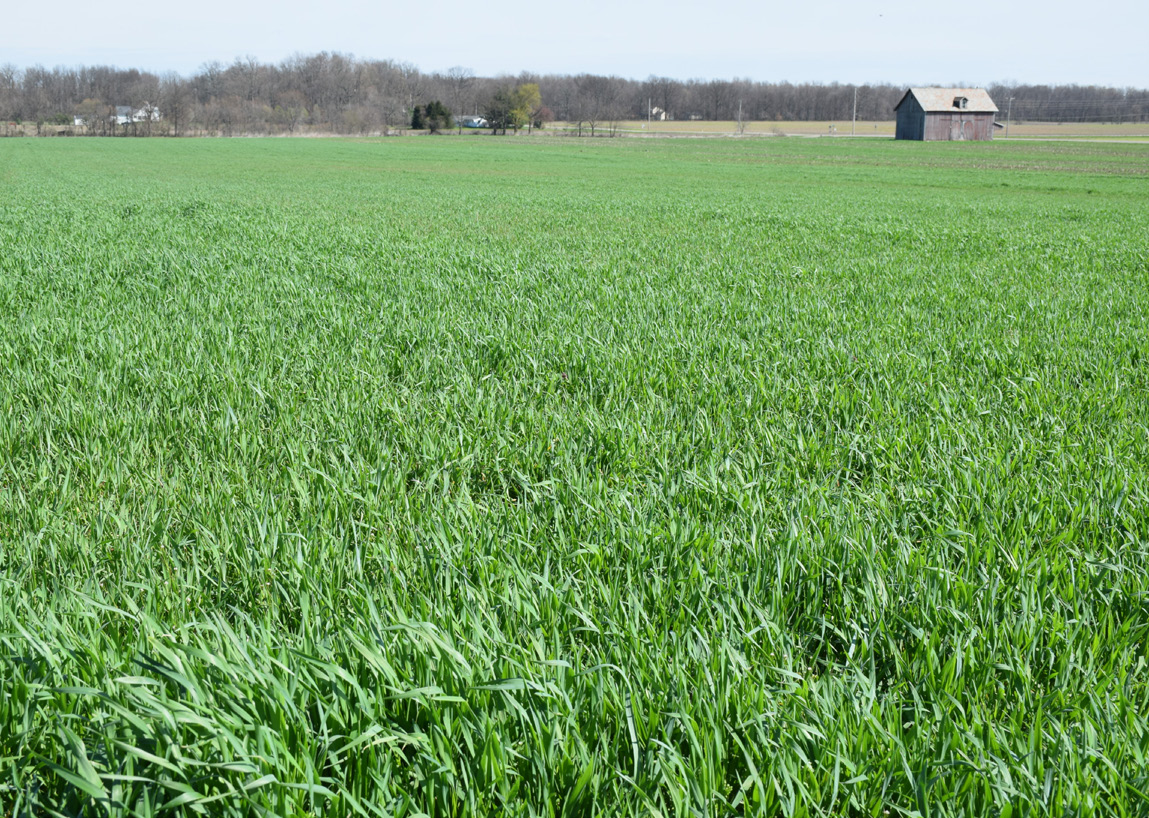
{"points": [[573, 477]]}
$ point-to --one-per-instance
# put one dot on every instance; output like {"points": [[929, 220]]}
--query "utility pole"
{"points": [[854, 125], [1008, 115], [741, 127], [649, 110]]}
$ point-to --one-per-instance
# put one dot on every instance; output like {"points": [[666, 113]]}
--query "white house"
{"points": [[145, 113], [124, 115]]}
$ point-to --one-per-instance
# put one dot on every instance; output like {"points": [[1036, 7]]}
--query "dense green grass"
{"points": [[572, 477]]}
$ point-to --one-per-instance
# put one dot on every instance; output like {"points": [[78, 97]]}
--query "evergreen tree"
{"points": [[437, 117]]}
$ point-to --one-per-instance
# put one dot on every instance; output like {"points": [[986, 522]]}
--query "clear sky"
{"points": [[1102, 42]]}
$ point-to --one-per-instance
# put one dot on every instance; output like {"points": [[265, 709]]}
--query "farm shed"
{"points": [[943, 114]]}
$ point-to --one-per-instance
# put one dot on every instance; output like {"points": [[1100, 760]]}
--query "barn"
{"points": [[943, 114]]}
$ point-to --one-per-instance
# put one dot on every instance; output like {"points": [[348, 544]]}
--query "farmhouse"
{"points": [[942, 114], [147, 113], [120, 115]]}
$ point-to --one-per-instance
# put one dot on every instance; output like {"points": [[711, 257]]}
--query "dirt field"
{"points": [[1052, 130]]}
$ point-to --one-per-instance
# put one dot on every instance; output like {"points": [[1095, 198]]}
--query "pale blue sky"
{"points": [[1057, 41]]}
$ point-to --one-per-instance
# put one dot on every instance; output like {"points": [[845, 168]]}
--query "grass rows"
{"points": [[774, 477]]}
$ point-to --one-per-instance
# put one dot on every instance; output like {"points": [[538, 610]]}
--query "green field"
{"points": [[573, 477]]}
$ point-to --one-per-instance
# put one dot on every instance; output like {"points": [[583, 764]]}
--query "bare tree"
{"points": [[390, 94], [459, 81], [597, 100], [291, 110], [175, 101], [662, 93], [94, 115], [209, 81], [412, 85], [10, 98], [143, 100]]}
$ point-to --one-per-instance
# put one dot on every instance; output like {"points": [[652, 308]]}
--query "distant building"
{"points": [[126, 114], [96, 116], [945, 114], [473, 122]]}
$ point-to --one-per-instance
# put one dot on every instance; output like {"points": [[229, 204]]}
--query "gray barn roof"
{"points": [[943, 99]]}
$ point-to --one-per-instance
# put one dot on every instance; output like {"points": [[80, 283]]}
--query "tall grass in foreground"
{"points": [[780, 478]]}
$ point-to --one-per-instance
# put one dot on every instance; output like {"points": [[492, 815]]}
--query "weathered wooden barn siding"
{"points": [[933, 115], [937, 128], [958, 126], [911, 121], [983, 126]]}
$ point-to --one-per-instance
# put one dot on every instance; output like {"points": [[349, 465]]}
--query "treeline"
{"points": [[337, 93]]}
